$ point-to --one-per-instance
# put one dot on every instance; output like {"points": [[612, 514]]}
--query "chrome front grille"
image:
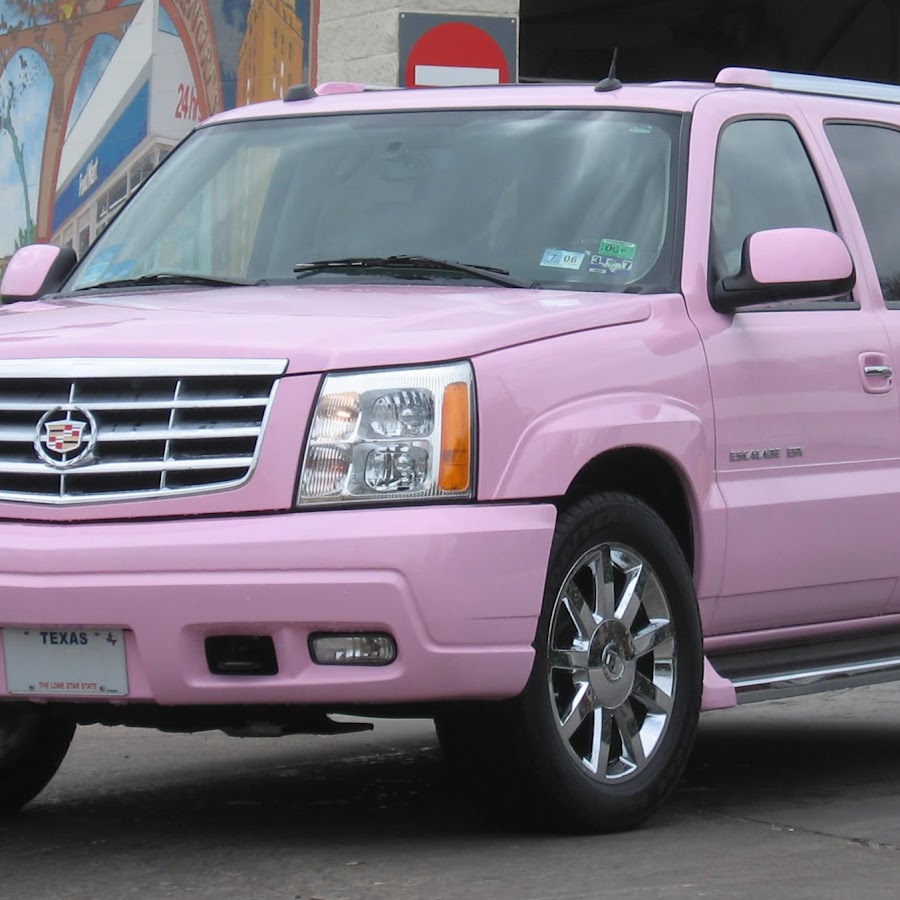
{"points": [[142, 428]]}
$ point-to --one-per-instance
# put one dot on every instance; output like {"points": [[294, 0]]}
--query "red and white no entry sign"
{"points": [[456, 53]]}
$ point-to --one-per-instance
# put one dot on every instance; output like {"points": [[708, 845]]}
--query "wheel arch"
{"points": [[648, 475], [658, 449]]}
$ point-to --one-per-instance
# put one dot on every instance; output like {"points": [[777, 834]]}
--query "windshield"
{"points": [[555, 198]]}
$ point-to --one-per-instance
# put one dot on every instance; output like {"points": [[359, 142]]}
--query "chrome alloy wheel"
{"points": [[611, 659]]}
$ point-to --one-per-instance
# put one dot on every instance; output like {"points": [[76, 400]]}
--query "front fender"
{"points": [[557, 445], [549, 408]]}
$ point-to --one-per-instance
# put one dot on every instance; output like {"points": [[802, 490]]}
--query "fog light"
{"points": [[330, 649]]}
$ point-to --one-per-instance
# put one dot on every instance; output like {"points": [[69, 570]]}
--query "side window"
{"points": [[764, 179], [869, 157]]}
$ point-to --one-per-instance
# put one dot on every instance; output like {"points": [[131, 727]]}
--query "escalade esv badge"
{"points": [[66, 437]]}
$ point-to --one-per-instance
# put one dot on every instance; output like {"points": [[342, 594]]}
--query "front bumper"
{"points": [[458, 587]]}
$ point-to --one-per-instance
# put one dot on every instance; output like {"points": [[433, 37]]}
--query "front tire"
{"points": [[602, 731], [33, 744]]}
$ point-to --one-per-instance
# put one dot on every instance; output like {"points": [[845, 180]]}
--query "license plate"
{"points": [[84, 662]]}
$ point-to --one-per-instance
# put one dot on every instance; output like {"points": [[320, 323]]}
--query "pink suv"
{"points": [[555, 413]]}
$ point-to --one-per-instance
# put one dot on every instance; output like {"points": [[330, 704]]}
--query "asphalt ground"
{"points": [[791, 799]]}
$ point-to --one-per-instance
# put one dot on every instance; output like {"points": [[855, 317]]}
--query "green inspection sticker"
{"points": [[618, 249]]}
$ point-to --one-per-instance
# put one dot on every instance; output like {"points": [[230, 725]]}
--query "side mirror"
{"points": [[36, 270], [787, 264]]}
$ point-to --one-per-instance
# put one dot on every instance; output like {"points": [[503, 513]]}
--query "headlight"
{"points": [[391, 435]]}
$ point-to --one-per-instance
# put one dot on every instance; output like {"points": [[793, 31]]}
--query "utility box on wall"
{"points": [[442, 50]]}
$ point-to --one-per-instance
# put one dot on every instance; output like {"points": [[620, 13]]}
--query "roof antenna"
{"points": [[610, 83]]}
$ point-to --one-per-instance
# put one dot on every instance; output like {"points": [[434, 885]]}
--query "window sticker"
{"points": [[562, 259], [617, 249], [122, 269], [609, 265], [101, 264]]}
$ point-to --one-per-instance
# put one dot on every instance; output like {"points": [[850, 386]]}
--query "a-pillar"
{"points": [[359, 41]]}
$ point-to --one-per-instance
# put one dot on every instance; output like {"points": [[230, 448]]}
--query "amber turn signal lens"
{"points": [[456, 434]]}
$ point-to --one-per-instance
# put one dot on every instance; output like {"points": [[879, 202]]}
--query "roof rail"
{"points": [[798, 83], [306, 92], [339, 87]]}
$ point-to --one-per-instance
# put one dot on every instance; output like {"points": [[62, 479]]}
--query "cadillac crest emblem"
{"points": [[66, 436]]}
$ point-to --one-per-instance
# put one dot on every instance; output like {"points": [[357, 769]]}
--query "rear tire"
{"points": [[601, 734], [33, 744]]}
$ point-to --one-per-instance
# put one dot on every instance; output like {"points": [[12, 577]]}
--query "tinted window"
{"points": [[564, 198], [764, 179], [869, 156]]}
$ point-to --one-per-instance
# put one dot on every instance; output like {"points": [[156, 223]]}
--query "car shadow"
{"points": [[738, 763], [791, 752]]}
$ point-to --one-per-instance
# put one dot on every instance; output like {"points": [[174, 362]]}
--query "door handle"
{"points": [[876, 372]]}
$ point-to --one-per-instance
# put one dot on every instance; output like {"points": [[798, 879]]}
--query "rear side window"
{"points": [[869, 157], [764, 179]]}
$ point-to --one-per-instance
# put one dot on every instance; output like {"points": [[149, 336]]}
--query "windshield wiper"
{"points": [[166, 278], [486, 273]]}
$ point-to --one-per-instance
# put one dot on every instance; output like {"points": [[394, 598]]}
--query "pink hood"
{"points": [[317, 328]]}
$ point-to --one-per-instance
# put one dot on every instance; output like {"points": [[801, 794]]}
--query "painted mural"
{"points": [[94, 94]]}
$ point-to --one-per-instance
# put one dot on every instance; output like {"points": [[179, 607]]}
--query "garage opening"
{"points": [[693, 39]]}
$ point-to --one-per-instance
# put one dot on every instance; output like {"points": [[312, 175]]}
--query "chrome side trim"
{"points": [[86, 367], [816, 680]]}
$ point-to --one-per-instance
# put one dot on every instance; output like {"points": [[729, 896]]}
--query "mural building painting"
{"points": [[95, 93]]}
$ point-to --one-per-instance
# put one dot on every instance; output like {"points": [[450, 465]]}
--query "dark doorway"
{"points": [[693, 39]]}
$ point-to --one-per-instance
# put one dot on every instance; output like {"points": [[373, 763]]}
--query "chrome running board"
{"points": [[812, 681], [790, 669]]}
